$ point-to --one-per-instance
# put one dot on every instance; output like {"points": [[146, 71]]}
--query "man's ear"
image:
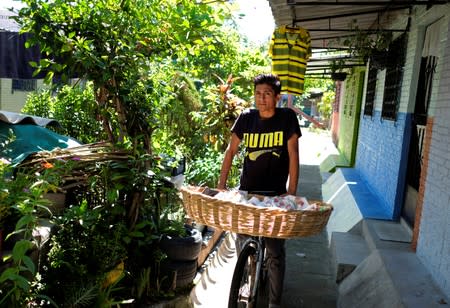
{"points": [[278, 97]]}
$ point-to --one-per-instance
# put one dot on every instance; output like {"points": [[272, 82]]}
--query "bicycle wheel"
{"points": [[243, 281]]}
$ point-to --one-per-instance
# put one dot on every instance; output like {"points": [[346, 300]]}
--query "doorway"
{"points": [[419, 121]]}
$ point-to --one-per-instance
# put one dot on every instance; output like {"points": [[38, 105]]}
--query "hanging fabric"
{"points": [[290, 49]]}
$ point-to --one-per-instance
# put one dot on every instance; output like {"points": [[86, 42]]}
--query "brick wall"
{"points": [[423, 176], [379, 154], [432, 235]]}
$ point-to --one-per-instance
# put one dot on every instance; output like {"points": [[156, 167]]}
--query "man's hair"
{"points": [[270, 79]]}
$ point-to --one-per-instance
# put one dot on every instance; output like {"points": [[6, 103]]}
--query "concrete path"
{"points": [[309, 277], [309, 282]]}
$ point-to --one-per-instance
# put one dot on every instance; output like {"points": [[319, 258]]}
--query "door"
{"points": [[419, 121]]}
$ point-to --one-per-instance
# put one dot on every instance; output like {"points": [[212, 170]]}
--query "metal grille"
{"points": [[394, 75], [392, 93], [370, 92], [351, 88], [24, 85]]}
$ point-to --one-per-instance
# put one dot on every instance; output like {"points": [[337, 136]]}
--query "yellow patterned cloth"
{"points": [[290, 49]]}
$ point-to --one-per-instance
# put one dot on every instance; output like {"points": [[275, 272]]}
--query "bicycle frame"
{"points": [[260, 253]]}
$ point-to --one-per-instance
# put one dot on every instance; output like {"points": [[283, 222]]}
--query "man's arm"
{"points": [[293, 164], [230, 152]]}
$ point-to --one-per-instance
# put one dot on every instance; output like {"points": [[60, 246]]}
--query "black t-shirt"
{"points": [[266, 163]]}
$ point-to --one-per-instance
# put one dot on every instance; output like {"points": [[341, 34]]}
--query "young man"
{"points": [[270, 137]]}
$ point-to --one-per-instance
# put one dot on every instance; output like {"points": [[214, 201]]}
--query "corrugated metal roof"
{"points": [[6, 23], [327, 21], [19, 118]]}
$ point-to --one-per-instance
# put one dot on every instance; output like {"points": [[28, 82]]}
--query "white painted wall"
{"points": [[13, 100], [434, 234]]}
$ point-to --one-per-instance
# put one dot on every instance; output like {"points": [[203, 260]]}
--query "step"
{"points": [[382, 234], [390, 278], [348, 250]]}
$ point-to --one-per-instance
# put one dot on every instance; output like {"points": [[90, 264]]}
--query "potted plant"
{"points": [[367, 44], [336, 67]]}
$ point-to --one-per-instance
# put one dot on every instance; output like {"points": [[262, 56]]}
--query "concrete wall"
{"points": [[13, 100]]}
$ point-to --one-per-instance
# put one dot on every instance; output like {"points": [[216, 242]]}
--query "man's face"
{"points": [[265, 98]]}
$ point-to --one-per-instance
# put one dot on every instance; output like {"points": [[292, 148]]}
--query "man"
{"points": [[270, 137]]}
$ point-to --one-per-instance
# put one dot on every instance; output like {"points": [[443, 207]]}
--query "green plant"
{"points": [[14, 188], [78, 102], [325, 106], [86, 244], [205, 170], [363, 43], [5, 209], [337, 65], [20, 282], [140, 57]]}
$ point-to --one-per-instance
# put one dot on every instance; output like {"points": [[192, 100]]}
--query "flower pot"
{"points": [[57, 202], [177, 274], [379, 59], [338, 76], [182, 248]]}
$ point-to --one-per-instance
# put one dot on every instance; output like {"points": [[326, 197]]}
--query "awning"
{"points": [[330, 22]]}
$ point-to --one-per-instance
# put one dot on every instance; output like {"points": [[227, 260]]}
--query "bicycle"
{"points": [[250, 274]]}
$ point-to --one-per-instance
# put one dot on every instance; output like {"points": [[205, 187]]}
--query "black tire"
{"points": [[263, 288], [185, 272], [182, 248], [242, 273]]}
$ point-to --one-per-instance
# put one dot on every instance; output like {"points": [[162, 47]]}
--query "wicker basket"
{"points": [[252, 220]]}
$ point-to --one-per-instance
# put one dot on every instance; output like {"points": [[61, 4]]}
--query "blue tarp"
{"points": [[29, 139]]}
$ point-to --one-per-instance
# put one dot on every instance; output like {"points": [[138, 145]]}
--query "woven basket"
{"points": [[252, 220]]}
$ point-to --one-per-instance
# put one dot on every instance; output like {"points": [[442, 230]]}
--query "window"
{"points": [[394, 75], [24, 85], [370, 92]]}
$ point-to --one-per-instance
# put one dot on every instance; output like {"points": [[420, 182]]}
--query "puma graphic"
{"points": [[263, 140]]}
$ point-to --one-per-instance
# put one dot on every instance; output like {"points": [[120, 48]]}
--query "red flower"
{"points": [[47, 165]]}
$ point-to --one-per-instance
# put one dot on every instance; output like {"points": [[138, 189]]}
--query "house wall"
{"points": [[349, 113], [383, 147], [13, 100], [380, 150], [433, 245]]}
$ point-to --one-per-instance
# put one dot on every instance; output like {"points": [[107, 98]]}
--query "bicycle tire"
{"points": [[263, 287], [240, 276]]}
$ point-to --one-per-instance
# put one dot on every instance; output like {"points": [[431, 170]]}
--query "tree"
{"points": [[113, 44]]}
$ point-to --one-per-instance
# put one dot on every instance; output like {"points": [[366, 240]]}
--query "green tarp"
{"points": [[30, 139]]}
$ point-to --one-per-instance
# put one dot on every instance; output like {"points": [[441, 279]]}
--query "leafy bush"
{"points": [[205, 170], [86, 244], [73, 107], [140, 57]]}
